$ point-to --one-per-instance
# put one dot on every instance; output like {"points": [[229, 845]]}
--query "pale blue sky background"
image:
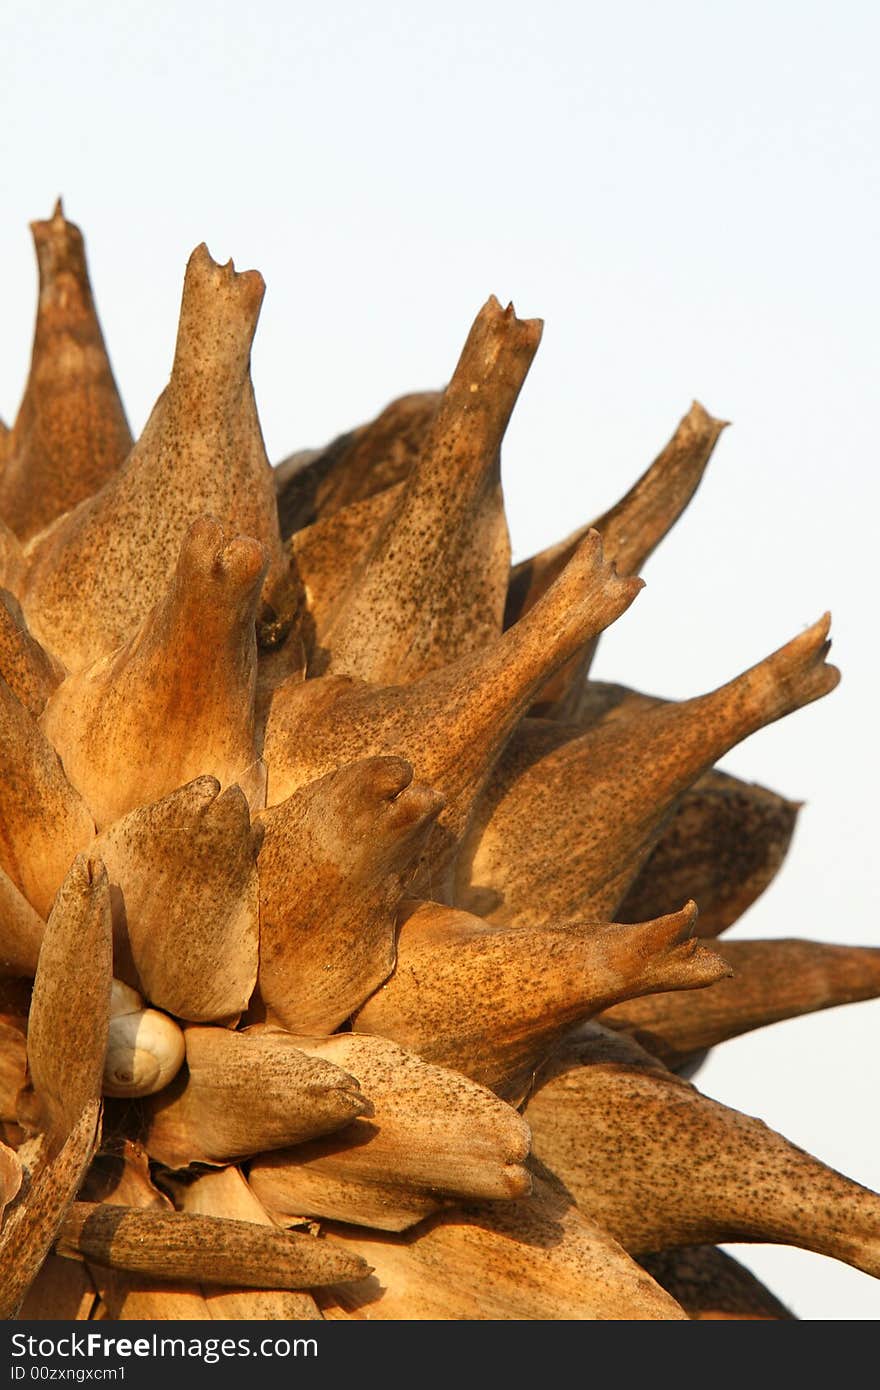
{"points": [[687, 193]]}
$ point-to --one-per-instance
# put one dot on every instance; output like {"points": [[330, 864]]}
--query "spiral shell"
{"points": [[145, 1048]]}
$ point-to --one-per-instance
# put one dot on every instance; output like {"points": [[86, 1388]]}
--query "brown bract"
{"points": [[70, 1011], [659, 1165], [45, 821], [333, 863], [71, 434], [243, 1093], [429, 1135], [316, 483], [493, 1002], [630, 533], [564, 835], [185, 907], [30, 672], [324, 554], [177, 700], [174, 1245], [726, 840], [452, 724], [433, 584], [226, 1194], [121, 1178], [67, 1038], [771, 980], [96, 573], [538, 1259]]}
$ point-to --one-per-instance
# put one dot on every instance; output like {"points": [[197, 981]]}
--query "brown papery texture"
{"points": [[94, 576], [493, 1001], [620, 1130], [333, 864], [566, 835], [536, 1260], [242, 1093], [71, 434], [313, 484], [226, 1194], [185, 906], [430, 1134]]}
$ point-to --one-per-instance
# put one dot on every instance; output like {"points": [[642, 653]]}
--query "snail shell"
{"points": [[145, 1048]]}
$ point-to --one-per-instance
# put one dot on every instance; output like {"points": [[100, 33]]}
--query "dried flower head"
{"points": [[348, 929]]}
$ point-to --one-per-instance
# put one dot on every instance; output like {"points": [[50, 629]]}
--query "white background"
{"points": [[687, 193]]}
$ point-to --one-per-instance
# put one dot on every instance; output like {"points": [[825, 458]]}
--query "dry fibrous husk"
{"points": [[176, 701], [630, 532], [186, 909], [539, 1259], [70, 1010], [599, 801]]}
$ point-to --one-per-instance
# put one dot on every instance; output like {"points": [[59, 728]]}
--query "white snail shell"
{"points": [[145, 1048]]}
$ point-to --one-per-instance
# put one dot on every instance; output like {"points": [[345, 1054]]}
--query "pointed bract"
{"points": [[433, 585], [429, 1135], [660, 1165], [177, 700], [122, 1179], [71, 434], [226, 1194], [95, 575], [452, 724], [630, 532], [243, 1093], [333, 863], [563, 836], [493, 1002], [771, 980]]}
